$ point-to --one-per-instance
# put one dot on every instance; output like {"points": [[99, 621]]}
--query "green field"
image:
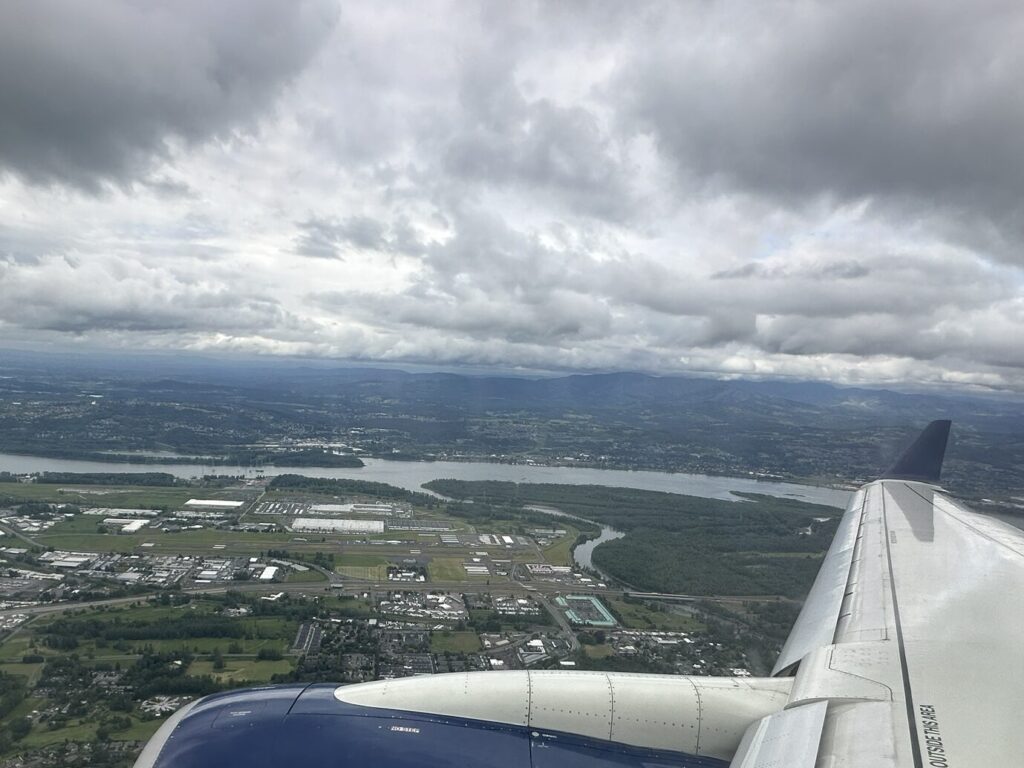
{"points": [[141, 730], [187, 645], [69, 535], [359, 566], [305, 577], [29, 671], [447, 569], [359, 559], [251, 670], [455, 642], [560, 552], [639, 616], [14, 648], [259, 633], [85, 730], [110, 496], [348, 606], [597, 651]]}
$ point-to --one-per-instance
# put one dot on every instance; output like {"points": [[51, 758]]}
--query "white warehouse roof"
{"points": [[334, 525]]}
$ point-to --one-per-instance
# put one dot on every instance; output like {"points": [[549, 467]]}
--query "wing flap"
{"points": [[816, 624], [789, 738]]}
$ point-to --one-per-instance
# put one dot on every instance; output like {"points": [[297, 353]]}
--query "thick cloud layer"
{"points": [[97, 91], [821, 190]]}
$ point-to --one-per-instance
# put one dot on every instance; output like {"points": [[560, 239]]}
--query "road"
{"points": [[567, 632], [336, 583], [11, 531], [543, 590]]}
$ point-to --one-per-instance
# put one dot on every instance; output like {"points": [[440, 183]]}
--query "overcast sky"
{"points": [[828, 190]]}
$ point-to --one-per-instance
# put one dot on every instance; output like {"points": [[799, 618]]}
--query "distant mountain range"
{"points": [[792, 429]]}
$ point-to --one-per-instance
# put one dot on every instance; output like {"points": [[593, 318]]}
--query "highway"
{"points": [[542, 590]]}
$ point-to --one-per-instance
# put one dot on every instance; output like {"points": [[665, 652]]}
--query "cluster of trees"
{"points": [[323, 559], [166, 673], [12, 693], [492, 621], [65, 633], [157, 479], [349, 488], [310, 457], [292, 608], [490, 501], [676, 543], [670, 562]]}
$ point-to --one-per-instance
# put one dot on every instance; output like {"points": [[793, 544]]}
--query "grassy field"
{"points": [[138, 612], [639, 616], [560, 552], [251, 670], [446, 569], [15, 647], [29, 671], [189, 645], [456, 642], [305, 577], [85, 730], [69, 535], [358, 566], [76, 730], [348, 606], [365, 572], [141, 730], [111, 496], [597, 651], [348, 558]]}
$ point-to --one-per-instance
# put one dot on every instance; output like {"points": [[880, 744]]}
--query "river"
{"points": [[411, 475]]}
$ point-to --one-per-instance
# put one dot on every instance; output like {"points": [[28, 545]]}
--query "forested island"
{"points": [[760, 545]]}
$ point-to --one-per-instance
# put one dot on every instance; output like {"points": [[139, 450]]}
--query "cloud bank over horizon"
{"points": [[828, 191]]}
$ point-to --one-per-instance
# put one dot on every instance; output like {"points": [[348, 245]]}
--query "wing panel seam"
{"points": [[963, 522], [915, 745]]}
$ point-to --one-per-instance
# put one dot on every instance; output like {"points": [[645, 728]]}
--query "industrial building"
{"points": [[335, 525], [587, 610], [125, 525]]}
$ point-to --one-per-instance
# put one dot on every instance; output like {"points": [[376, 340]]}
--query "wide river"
{"points": [[411, 475]]}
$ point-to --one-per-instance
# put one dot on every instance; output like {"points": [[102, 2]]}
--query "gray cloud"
{"points": [[96, 92], [135, 298], [328, 238], [815, 190], [918, 104], [503, 138]]}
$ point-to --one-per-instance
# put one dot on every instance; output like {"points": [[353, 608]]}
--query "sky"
{"points": [[818, 190]]}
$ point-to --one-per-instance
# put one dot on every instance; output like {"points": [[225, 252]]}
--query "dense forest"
{"points": [[758, 545], [330, 487], [156, 479]]}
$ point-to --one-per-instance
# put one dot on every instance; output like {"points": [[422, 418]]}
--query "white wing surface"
{"points": [[911, 636]]}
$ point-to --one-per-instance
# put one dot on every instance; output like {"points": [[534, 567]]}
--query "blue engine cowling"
{"points": [[307, 726]]}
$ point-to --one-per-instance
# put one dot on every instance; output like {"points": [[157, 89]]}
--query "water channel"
{"points": [[411, 475]]}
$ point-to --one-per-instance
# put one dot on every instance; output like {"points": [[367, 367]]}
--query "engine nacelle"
{"points": [[497, 719]]}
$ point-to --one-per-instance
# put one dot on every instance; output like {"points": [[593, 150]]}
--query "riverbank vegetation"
{"points": [[758, 545]]}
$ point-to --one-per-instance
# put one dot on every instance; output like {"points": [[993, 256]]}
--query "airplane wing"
{"points": [[908, 647], [904, 656]]}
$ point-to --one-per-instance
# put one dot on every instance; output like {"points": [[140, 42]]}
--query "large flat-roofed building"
{"points": [[334, 525], [114, 512], [586, 609], [377, 508], [214, 503], [125, 524]]}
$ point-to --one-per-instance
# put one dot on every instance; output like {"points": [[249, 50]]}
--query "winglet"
{"points": [[922, 461]]}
